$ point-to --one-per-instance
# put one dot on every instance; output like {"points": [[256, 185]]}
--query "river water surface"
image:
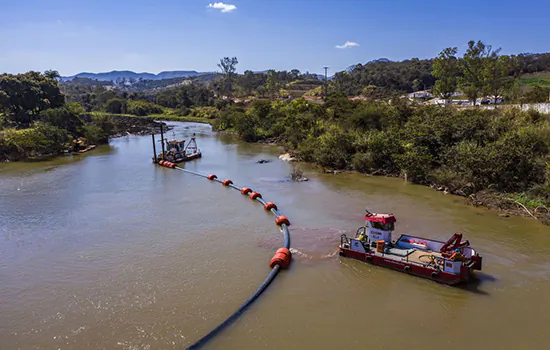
{"points": [[107, 251]]}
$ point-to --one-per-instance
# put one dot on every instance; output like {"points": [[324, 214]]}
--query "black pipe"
{"points": [[270, 277], [162, 140], [155, 160], [237, 313]]}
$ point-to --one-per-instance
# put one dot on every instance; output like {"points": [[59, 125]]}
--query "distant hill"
{"points": [[125, 74]]}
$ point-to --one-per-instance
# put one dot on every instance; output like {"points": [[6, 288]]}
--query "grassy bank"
{"points": [[54, 136]]}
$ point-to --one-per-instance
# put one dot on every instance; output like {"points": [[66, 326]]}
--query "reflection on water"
{"points": [[104, 250]]}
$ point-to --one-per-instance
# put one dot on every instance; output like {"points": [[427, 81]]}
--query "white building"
{"points": [[420, 94]]}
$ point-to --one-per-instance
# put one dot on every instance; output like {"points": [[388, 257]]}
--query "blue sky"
{"points": [[72, 36]]}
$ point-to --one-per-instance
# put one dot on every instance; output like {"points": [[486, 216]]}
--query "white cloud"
{"points": [[347, 45], [223, 7]]}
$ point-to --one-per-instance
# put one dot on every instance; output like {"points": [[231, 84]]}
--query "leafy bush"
{"points": [[204, 112], [94, 133], [245, 126], [415, 162], [143, 108], [335, 149], [116, 106], [39, 139], [183, 111], [62, 118], [363, 162]]}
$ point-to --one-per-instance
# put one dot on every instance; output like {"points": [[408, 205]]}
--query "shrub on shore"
{"points": [[466, 151]]}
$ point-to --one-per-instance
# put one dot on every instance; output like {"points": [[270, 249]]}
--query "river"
{"points": [[106, 251]]}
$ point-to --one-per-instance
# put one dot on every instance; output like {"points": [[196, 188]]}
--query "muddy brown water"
{"points": [[106, 251]]}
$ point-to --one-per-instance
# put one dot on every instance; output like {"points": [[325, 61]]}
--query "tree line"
{"points": [[37, 118], [466, 151], [481, 71]]}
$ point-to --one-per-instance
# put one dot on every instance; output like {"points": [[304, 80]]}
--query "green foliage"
{"points": [[464, 150], [228, 66], [187, 96], [95, 133], [537, 79], [334, 148], [142, 108], [76, 108], [472, 65], [386, 76], [246, 126], [537, 94], [498, 74], [204, 112], [63, 118], [228, 118], [445, 70], [415, 162], [39, 139], [24, 96], [513, 162], [368, 116], [116, 106], [375, 150]]}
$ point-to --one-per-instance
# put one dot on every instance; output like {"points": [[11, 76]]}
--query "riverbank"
{"points": [[506, 204], [43, 140]]}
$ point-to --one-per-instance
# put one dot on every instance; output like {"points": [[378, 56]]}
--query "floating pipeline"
{"points": [[281, 259]]}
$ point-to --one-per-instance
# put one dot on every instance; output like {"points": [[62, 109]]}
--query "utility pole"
{"points": [[326, 86]]}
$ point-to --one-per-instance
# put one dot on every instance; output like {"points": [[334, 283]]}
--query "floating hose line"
{"points": [[281, 259]]}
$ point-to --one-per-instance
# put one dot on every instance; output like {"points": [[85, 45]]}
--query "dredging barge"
{"points": [[448, 262], [177, 151]]}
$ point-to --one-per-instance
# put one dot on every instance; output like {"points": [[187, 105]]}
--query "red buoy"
{"points": [[282, 258], [270, 205], [211, 177], [282, 220], [227, 182], [255, 195], [245, 190]]}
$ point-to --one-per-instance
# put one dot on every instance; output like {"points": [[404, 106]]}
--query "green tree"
{"points": [[417, 84], [536, 94], [472, 67], [116, 106], [272, 84], [228, 67], [62, 118], [445, 70], [24, 96], [498, 74], [247, 82], [52, 74]]}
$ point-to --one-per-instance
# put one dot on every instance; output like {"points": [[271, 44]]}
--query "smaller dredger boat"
{"points": [[177, 151], [448, 262]]}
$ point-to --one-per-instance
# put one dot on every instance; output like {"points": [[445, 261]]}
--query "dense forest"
{"points": [[37, 119], [466, 151], [416, 74]]}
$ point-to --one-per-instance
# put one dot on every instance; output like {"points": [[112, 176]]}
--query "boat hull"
{"points": [[182, 159], [406, 267], [89, 148]]}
